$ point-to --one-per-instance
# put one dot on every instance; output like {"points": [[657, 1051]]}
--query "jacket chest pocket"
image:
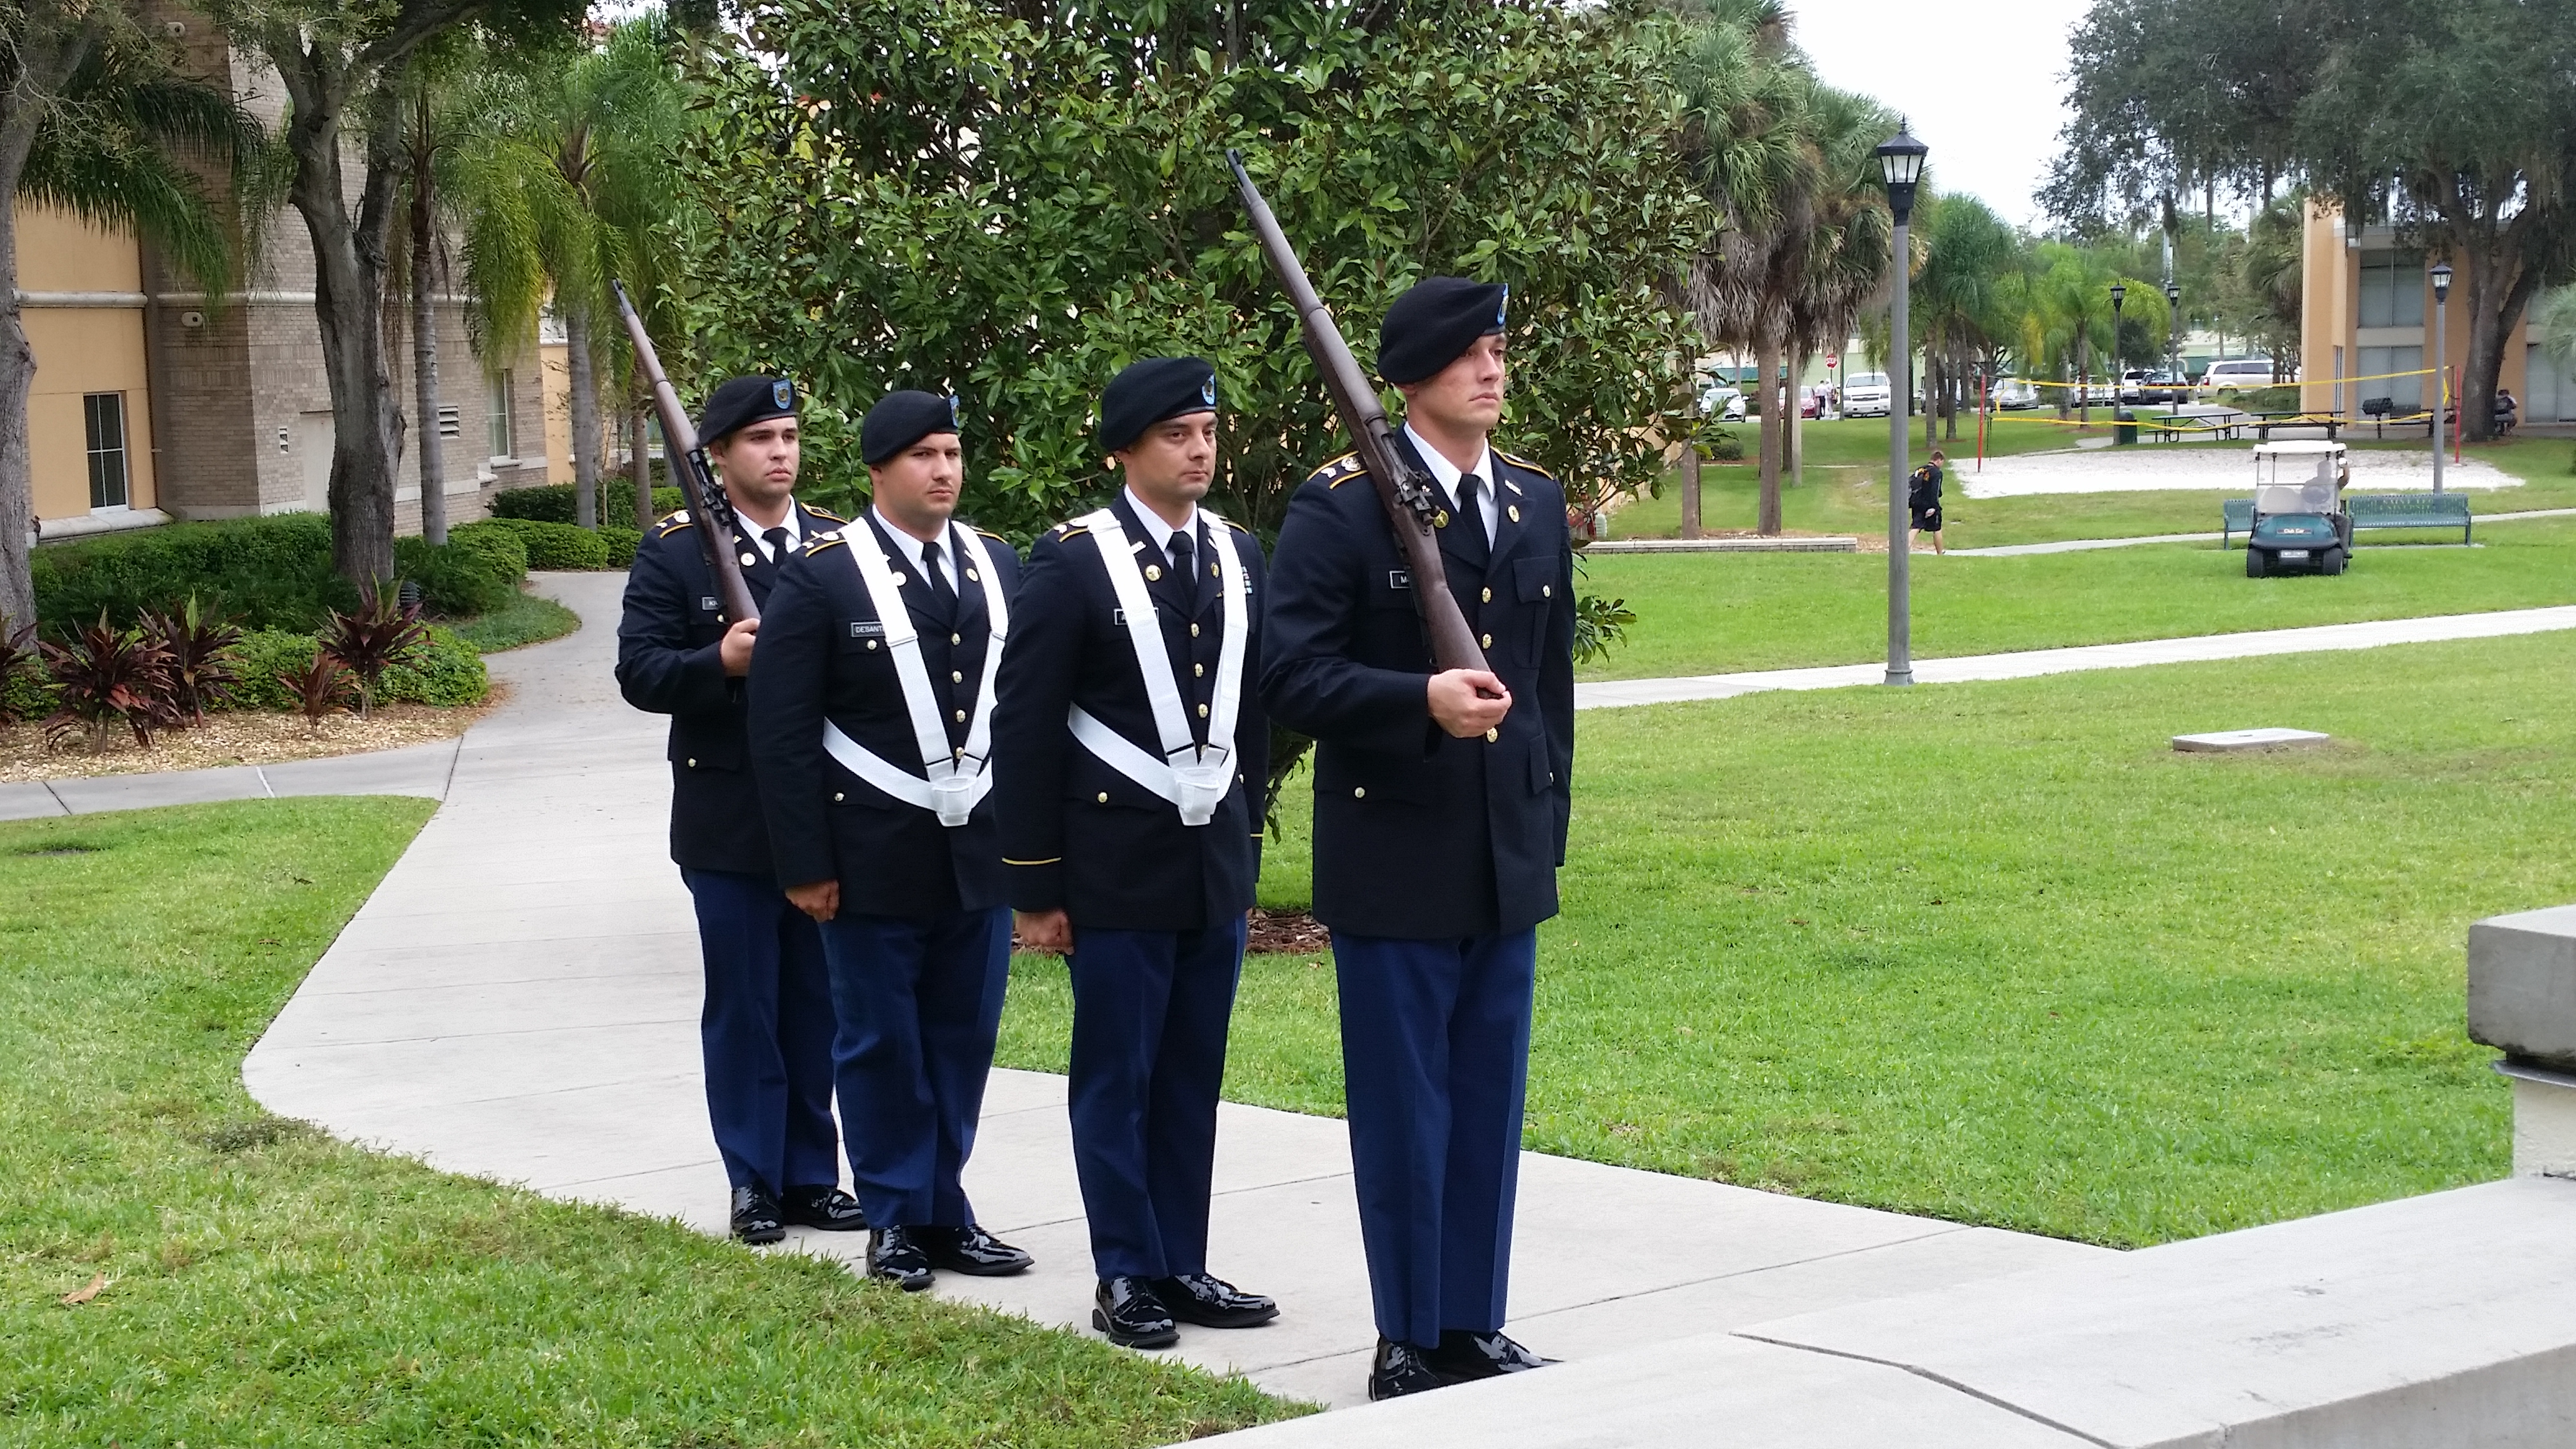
{"points": [[1534, 585]]}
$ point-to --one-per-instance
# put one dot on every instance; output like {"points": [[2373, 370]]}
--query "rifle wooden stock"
{"points": [[1406, 492], [707, 501]]}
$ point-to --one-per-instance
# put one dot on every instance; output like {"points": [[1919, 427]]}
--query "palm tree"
{"points": [[1967, 252], [444, 99], [96, 120], [1846, 265], [573, 192]]}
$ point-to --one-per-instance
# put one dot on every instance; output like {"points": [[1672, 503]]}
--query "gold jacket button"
{"points": [[1104, 797], [961, 716], [1359, 792], [1194, 631], [956, 678], [1202, 712], [872, 644], [693, 764], [973, 577], [1198, 671], [956, 638], [838, 797], [1489, 596], [1547, 591], [748, 561], [1153, 573], [1493, 735], [1489, 641]]}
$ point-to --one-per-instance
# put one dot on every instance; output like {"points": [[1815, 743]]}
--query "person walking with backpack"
{"points": [[1923, 498]]}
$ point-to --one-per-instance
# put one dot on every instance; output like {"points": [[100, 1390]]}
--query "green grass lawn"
{"points": [[527, 619], [1846, 490], [1716, 613], [266, 1285], [1996, 953]]}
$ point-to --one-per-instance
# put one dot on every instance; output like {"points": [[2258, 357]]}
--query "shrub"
{"points": [[555, 503], [381, 633], [21, 673], [1722, 446], [107, 675], [319, 687], [260, 658], [496, 542], [457, 580], [557, 545], [443, 671], [270, 573], [622, 543], [199, 647]]}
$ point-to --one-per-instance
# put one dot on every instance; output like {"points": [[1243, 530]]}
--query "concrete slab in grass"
{"points": [[2522, 985], [2227, 742], [2446, 1319]]}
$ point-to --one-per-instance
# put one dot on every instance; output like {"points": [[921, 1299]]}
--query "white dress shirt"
{"points": [[909, 548], [1446, 474], [794, 523], [1158, 533]]}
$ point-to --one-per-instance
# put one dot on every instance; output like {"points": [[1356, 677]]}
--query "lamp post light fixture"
{"points": [[1900, 165], [2119, 294], [2173, 336], [2441, 361]]}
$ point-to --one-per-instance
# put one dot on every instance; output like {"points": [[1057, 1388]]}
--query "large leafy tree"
{"points": [[96, 120], [1959, 312], [2456, 119], [1011, 201], [341, 66], [573, 190]]}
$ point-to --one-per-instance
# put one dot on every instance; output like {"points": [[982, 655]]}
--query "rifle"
{"points": [[1406, 492], [706, 497]]}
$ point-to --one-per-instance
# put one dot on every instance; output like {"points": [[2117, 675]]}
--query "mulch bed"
{"points": [[231, 737], [1287, 933]]}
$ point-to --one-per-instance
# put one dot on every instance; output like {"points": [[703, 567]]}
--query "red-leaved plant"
{"points": [[107, 676], [383, 633], [17, 656], [201, 674], [320, 688]]}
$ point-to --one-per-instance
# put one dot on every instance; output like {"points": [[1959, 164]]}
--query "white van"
{"points": [[1865, 395], [2238, 372]]}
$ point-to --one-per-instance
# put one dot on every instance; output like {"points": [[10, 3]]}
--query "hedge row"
{"points": [[556, 503], [445, 671], [274, 573]]}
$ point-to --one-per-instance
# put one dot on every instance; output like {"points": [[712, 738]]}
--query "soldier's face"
{"points": [[918, 487], [759, 462], [1174, 462], [1465, 396]]}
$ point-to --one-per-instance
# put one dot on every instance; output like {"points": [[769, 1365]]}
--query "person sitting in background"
{"points": [[2507, 412]]}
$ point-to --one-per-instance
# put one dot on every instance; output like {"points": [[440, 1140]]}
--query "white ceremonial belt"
{"points": [[1197, 788], [952, 797]]}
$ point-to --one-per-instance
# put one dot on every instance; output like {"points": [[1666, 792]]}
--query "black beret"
{"points": [[1149, 390], [903, 419], [742, 401], [1434, 323]]}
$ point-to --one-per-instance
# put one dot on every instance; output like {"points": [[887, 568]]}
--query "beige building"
{"points": [[152, 402], [2369, 311]]}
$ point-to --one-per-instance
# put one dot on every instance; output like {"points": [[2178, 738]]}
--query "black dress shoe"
{"points": [[827, 1208], [894, 1257], [755, 1215], [972, 1251], [1463, 1355], [1129, 1312], [1213, 1302], [1400, 1369]]}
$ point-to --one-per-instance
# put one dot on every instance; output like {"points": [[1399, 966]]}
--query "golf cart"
{"points": [[2300, 522]]}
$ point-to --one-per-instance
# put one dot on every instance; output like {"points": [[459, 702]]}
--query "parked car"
{"points": [[1866, 395], [1817, 401], [1722, 401], [2151, 385], [2238, 372], [2013, 393], [2300, 522]]}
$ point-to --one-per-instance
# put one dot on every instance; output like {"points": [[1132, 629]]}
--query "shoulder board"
{"points": [[1521, 462], [1337, 471], [988, 533], [675, 523], [1071, 530], [824, 541], [824, 513], [1230, 523]]}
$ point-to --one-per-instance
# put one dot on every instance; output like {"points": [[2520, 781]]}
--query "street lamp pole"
{"points": [[2173, 341], [2119, 294], [1900, 161], [2441, 361]]}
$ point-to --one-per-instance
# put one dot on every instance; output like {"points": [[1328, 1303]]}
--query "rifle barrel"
{"points": [[707, 501]]}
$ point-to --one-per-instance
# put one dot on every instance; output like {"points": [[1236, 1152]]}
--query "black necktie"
{"points": [[1471, 517], [776, 538], [939, 589], [1185, 591]]}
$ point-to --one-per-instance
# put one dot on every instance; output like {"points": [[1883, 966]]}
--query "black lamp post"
{"points": [[2119, 294], [1900, 164], [2173, 337], [2441, 361]]}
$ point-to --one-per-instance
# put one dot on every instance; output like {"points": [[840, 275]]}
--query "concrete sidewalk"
{"points": [[519, 1001], [413, 770]]}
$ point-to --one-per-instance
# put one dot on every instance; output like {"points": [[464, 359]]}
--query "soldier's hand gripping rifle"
{"points": [[705, 496], [1407, 493]]}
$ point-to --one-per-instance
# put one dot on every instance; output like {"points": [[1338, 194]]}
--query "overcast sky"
{"points": [[1982, 84]]}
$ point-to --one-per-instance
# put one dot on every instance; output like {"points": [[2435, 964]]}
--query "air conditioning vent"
{"points": [[450, 425]]}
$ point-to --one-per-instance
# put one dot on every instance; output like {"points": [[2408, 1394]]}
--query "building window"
{"points": [[104, 415], [497, 415], [2404, 394], [2392, 289]]}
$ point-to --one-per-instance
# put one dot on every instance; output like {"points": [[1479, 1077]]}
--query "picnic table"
{"points": [[2264, 423]]}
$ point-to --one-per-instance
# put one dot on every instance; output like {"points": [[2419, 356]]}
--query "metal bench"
{"points": [[2381, 412], [2369, 510]]}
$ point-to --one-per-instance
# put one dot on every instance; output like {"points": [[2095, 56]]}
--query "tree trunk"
{"points": [[1690, 488], [1796, 416], [2498, 290], [585, 418], [1766, 356], [424, 355], [49, 47], [639, 465], [2083, 383], [348, 299], [1931, 392]]}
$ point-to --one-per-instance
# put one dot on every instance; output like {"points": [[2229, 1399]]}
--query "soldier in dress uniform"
{"points": [[1133, 756], [871, 728], [1441, 801], [766, 1029]]}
